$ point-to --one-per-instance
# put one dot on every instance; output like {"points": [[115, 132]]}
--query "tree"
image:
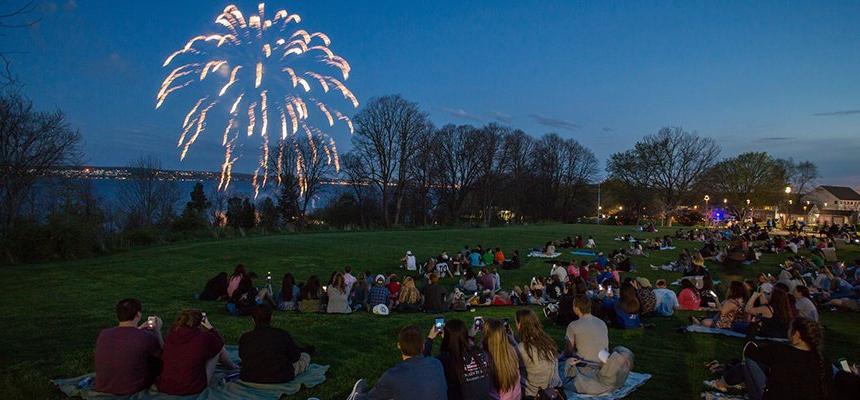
{"points": [[518, 148], [302, 168], [32, 144], [199, 203], [268, 215], [670, 163], [457, 169], [801, 176], [562, 167], [194, 215], [384, 142], [288, 200], [753, 176], [148, 196], [13, 18]]}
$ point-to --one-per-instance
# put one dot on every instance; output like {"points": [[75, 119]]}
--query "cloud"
{"points": [[774, 139], [501, 117], [554, 122], [836, 113], [461, 113]]}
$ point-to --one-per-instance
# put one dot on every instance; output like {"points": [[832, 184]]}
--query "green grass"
{"points": [[52, 313]]}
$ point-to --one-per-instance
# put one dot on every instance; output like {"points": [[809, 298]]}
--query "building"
{"points": [[831, 205]]}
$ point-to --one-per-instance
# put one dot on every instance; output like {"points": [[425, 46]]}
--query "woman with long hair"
{"points": [[191, 351], [288, 298], [731, 310], [504, 361], [797, 370], [238, 275], [309, 295], [467, 369], [409, 299], [775, 313], [625, 307], [539, 353], [338, 298], [688, 298]]}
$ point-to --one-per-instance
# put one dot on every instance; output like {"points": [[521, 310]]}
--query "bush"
{"points": [[689, 217], [143, 236]]}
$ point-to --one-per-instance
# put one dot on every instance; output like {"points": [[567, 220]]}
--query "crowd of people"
{"points": [[501, 358]]}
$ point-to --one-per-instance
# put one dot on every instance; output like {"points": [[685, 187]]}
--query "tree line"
{"points": [[401, 171]]}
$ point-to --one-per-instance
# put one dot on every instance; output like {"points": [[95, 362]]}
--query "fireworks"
{"points": [[260, 66]]}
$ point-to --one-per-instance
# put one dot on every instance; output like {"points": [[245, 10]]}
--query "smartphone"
{"points": [[479, 322], [440, 323], [150, 322], [843, 363], [203, 314], [325, 288]]}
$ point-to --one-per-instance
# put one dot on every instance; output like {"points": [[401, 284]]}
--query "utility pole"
{"points": [[598, 202]]}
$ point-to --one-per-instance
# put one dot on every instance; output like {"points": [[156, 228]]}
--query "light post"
{"points": [[707, 212]]}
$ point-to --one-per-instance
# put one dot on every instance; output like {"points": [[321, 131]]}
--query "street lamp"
{"points": [[788, 190], [725, 201]]}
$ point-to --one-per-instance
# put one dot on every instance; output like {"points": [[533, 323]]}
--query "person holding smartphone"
{"points": [[127, 355], [191, 351], [466, 366]]}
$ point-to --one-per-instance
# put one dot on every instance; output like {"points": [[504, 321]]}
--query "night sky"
{"points": [[777, 76]]}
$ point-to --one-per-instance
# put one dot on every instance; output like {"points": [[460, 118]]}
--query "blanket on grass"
{"points": [[727, 332], [634, 380], [584, 253], [237, 390], [540, 254]]}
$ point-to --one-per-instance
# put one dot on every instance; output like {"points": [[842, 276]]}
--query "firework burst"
{"points": [[254, 69]]}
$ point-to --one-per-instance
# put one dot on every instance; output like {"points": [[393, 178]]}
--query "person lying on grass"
{"points": [[127, 356], [731, 310], [416, 377], [269, 354]]}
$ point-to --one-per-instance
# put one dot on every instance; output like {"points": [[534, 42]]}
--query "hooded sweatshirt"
{"points": [[186, 351]]}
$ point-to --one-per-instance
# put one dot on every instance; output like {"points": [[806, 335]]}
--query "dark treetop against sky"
{"points": [[765, 75]]}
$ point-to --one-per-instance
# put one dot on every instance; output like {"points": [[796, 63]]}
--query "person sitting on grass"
{"points": [[247, 296], [348, 279], [486, 280], [588, 335], [216, 288], [731, 314], [435, 296], [549, 249], [504, 360], [468, 282], [803, 303], [689, 298], [666, 299], [409, 262], [797, 370], [269, 354], [488, 258], [338, 297], [309, 296], [539, 354], [514, 262], [467, 368], [191, 351], [625, 307], [416, 377], [288, 298], [360, 293], [410, 298], [393, 286], [378, 293], [499, 257], [235, 279], [645, 295], [774, 314], [127, 355]]}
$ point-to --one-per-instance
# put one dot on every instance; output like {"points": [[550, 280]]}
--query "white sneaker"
{"points": [[359, 388]]}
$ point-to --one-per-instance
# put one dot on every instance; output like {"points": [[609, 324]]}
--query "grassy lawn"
{"points": [[52, 313]]}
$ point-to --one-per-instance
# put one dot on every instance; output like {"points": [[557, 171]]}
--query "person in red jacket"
{"points": [[689, 298], [191, 351]]}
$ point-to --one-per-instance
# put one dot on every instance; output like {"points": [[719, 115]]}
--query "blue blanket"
{"points": [[583, 253], [82, 386], [634, 380], [727, 332]]}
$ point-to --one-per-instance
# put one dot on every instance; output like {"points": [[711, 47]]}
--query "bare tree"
{"points": [[753, 176], [456, 166], [148, 196], [385, 141], [12, 17], [518, 147], [492, 164], [356, 176], [562, 167], [32, 143], [801, 176], [308, 165], [670, 163]]}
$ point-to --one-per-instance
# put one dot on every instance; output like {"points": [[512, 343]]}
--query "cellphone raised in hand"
{"points": [[440, 324], [150, 322], [479, 322]]}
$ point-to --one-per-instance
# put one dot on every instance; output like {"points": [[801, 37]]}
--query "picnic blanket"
{"points": [[634, 380], [727, 332], [667, 248], [540, 254], [583, 253], [236, 390]]}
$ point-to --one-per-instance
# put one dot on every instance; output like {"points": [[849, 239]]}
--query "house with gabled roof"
{"points": [[832, 205]]}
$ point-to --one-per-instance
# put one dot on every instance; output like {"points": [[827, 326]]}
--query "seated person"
{"points": [[338, 298], [468, 282], [774, 314], [645, 295], [609, 374], [309, 295], [415, 378], [410, 297], [435, 296], [731, 314], [466, 366], [625, 307], [246, 297], [360, 293], [379, 293], [688, 298], [269, 354], [588, 335], [216, 288], [666, 300], [797, 370], [288, 298], [191, 351], [127, 355], [499, 257]]}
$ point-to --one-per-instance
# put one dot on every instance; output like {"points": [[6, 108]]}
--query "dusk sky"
{"points": [[778, 76]]}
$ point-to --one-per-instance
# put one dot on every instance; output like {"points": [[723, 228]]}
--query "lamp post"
{"points": [[707, 212]]}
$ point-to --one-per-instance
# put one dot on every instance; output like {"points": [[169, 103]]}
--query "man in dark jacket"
{"points": [[269, 354]]}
